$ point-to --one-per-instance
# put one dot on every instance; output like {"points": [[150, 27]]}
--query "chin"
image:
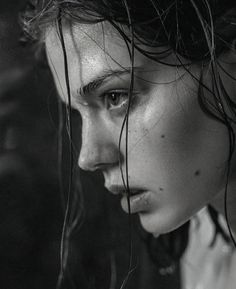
{"points": [[158, 225]]}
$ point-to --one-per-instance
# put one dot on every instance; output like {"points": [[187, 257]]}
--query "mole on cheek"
{"points": [[197, 173], [161, 189], [162, 136]]}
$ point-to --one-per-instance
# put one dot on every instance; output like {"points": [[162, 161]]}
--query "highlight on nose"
{"points": [[93, 158], [88, 159]]}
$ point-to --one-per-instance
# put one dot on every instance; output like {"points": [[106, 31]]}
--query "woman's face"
{"points": [[176, 154]]}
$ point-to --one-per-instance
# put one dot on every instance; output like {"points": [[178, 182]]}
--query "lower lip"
{"points": [[138, 203]]}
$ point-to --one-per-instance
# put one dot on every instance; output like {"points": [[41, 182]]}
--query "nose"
{"points": [[98, 150]]}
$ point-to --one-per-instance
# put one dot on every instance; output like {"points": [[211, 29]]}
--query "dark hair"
{"points": [[198, 30]]}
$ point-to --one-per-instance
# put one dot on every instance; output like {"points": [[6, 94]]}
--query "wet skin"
{"points": [[176, 154]]}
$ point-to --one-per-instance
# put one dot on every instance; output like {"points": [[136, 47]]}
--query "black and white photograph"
{"points": [[117, 144]]}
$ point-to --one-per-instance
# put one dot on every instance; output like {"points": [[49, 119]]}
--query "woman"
{"points": [[155, 86]]}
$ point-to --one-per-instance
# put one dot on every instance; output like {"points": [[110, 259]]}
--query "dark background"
{"points": [[31, 209]]}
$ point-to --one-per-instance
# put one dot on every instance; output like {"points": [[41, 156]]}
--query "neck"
{"points": [[218, 204]]}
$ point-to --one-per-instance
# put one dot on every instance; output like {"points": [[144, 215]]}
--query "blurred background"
{"points": [[31, 207]]}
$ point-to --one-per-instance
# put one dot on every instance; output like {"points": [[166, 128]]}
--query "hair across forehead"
{"points": [[192, 28]]}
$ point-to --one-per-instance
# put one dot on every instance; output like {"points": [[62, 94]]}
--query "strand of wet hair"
{"points": [[131, 268], [218, 227], [59, 148], [64, 238], [226, 207], [231, 149]]}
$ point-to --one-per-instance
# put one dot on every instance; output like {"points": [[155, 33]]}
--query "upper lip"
{"points": [[120, 189]]}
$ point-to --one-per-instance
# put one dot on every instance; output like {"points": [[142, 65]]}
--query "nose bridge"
{"points": [[97, 148]]}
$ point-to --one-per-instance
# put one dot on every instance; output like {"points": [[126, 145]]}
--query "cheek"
{"points": [[180, 148]]}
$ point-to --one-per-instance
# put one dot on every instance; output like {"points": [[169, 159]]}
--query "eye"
{"points": [[116, 99]]}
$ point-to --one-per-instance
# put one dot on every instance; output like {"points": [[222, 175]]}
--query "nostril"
{"points": [[96, 161], [105, 166]]}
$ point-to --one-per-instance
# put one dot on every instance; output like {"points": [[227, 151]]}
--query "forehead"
{"points": [[85, 39], [90, 49]]}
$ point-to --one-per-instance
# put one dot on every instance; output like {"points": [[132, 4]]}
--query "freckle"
{"points": [[161, 189], [197, 173], [162, 136]]}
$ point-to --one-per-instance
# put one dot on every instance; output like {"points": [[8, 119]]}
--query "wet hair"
{"points": [[196, 30]]}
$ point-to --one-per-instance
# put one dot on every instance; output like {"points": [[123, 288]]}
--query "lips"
{"points": [[139, 200], [118, 189], [139, 203]]}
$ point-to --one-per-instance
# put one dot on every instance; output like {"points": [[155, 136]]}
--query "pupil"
{"points": [[114, 98]]}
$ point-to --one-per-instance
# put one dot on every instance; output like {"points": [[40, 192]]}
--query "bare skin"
{"points": [[177, 154]]}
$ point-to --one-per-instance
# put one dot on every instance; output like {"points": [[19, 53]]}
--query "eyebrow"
{"points": [[97, 82]]}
